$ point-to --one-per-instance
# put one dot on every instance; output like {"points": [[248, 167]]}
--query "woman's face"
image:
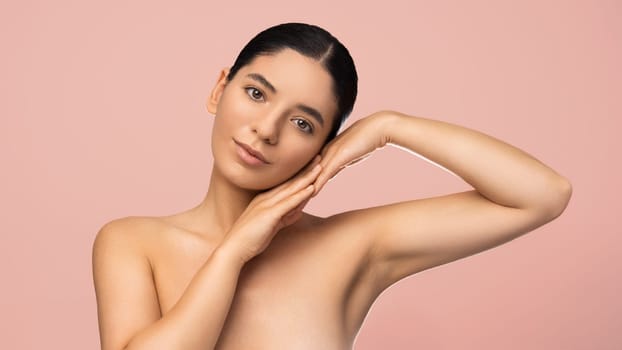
{"points": [[280, 105]]}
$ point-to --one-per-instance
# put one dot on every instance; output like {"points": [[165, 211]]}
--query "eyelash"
{"points": [[254, 88], [310, 127], [310, 131]]}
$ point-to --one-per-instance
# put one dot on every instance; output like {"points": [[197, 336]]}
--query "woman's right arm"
{"points": [[128, 310], [127, 302]]}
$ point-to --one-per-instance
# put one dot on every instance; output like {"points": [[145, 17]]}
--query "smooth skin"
{"points": [[248, 269]]}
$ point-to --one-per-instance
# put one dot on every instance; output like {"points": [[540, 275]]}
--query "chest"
{"points": [[305, 288]]}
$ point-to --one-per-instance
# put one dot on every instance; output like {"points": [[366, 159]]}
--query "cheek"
{"points": [[229, 118], [297, 160], [234, 109]]}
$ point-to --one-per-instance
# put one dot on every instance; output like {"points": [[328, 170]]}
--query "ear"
{"points": [[214, 97]]}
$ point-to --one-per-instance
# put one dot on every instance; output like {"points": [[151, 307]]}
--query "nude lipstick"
{"points": [[248, 155]]}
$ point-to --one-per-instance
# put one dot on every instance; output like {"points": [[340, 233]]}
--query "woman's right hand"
{"points": [[270, 211]]}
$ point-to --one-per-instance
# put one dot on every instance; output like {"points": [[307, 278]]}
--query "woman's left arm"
{"points": [[514, 192]]}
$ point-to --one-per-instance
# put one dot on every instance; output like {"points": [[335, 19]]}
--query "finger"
{"points": [[298, 207], [293, 201], [329, 173], [283, 186], [304, 178], [330, 166], [325, 164], [303, 204], [359, 159], [310, 165], [314, 161], [326, 177], [297, 210], [295, 185], [290, 219]]}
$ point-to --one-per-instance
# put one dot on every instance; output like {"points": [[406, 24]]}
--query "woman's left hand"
{"points": [[354, 144]]}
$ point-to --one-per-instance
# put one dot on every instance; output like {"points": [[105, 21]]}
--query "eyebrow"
{"points": [[307, 109]]}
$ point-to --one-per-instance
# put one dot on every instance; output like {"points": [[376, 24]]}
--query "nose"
{"points": [[266, 126]]}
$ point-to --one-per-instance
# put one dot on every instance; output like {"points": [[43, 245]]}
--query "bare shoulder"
{"points": [[147, 237], [131, 231], [125, 291], [129, 226]]}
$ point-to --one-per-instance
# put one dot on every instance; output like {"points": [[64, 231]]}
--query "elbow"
{"points": [[558, 199]]}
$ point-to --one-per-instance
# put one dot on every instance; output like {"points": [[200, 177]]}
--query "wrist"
{"points": [[387, 121], [230, 252]]}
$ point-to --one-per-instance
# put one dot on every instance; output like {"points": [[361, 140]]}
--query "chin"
{"points": [[247, 178]]}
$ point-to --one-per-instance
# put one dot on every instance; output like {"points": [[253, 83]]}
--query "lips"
{"points": [[252, 151]]}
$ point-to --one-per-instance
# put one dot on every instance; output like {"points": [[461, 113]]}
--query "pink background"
{"points": [[103, 116]]}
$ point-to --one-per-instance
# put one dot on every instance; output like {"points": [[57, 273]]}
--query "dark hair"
{"points": [[314, 42]]}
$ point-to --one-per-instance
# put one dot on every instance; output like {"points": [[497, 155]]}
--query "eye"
{"points": [[304, 125], [254, 93]]}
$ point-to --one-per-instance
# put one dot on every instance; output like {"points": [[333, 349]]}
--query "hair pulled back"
{"points": [[314, 42]]}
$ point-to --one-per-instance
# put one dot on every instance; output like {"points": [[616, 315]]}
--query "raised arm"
{"points": [[128, 311], [500, 172], [514, 193]]}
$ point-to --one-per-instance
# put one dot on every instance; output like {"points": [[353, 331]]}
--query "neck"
{"points": [[221, 206]]}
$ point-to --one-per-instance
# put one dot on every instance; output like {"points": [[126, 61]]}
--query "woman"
{"points": [[247, 268]]}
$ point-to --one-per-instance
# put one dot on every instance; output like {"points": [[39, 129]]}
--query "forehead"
{"points": [[296, 78]]}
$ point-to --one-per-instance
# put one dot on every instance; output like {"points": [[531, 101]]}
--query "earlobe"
{"points": [[214, 97]]}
